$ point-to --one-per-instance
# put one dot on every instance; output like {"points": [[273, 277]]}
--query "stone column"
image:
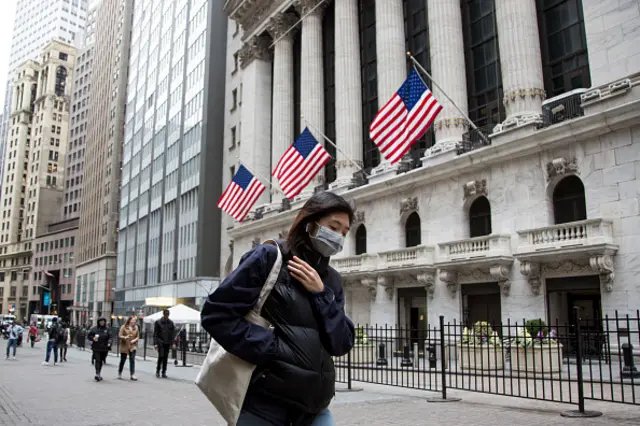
{"points": [[392, 63], [282, 129], [348, 91], [520, 61], [255, 144], [446, 47], [312, 76]]}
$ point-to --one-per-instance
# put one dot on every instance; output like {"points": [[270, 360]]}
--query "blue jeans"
{"points": [[325, 418], [52, 346], [10, 343]]}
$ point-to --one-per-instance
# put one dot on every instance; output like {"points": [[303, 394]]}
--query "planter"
{"points": [[538, 359], [361, 354], [481, 357]]}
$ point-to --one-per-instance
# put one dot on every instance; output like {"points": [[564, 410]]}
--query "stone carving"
{"points": [[370, 284], [531, 270], [280, 24], [256, 242], [409, 205], [518, 121], [603, 265], [475, 275], [502, 273], [561, 166], [567, 268], [450, 278], [533, 93], [451, 122], [387, 284], [358, 218], [305, 6], [428, 281], [475, 187], [282, 235], [255, 48], [343, 164]]}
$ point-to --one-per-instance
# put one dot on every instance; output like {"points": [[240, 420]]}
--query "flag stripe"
{"points": [[241, 194]]}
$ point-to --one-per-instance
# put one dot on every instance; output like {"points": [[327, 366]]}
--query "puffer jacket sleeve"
{"points": [[337, 330], [223, 314]]}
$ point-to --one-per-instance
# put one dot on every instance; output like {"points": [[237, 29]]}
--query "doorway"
{"points": [[481, 302], [412, 315]]}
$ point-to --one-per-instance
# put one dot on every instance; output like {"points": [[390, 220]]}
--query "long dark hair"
{"points": [[316, 207]]}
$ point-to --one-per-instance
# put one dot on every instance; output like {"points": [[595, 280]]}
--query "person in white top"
{"points": [[15, 331]]}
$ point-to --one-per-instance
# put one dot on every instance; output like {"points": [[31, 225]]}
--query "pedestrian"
{"points": [[52, 341], [129, 336], [294, 379], [33, 334], [81, 336], [100, 336], [63, 341], [164, 331], [14, 331]]}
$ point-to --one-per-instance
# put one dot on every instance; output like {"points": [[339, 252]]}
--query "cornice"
{"points": [[572, 131]]}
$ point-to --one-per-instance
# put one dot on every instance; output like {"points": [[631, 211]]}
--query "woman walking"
{"points": [[100, 336], [129, 336], [294, 379]]}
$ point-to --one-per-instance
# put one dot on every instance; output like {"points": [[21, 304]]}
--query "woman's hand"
{"points": [[307, 276]]}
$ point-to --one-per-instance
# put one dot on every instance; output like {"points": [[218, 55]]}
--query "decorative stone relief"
{"points": [[603, 265], [532, 93], [280, 24], [282, 235], [343, 164], [408, 205], [255, 48], [428, 281], [256, 242], [502, 273], [370, 284], [561, 166], [531, 270], [518, 121], [567, 268], [475, 275], [475, 187], [450, 278], [305, 6], [451, 122], [358, 218]]}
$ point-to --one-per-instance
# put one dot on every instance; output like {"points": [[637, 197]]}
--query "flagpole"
{"points": [[424, 71], [330, 142], [259, 176]]}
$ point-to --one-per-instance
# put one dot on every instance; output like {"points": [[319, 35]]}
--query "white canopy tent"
{"points": [[179, 314]]}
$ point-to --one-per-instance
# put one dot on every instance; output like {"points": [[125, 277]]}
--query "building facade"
{"points": [[169, 231], [34, 166], [531, 215], [36, 23], [101, 146]]}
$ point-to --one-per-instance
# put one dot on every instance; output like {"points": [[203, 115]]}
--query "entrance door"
{"points": [[481, 302], [412, 314]]}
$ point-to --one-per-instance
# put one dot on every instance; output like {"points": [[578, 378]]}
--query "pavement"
{"points": [[67, 395]]}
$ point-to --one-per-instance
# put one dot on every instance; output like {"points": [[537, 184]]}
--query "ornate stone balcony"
{"points": [[566, 241], [405, 260], [587, 246]]}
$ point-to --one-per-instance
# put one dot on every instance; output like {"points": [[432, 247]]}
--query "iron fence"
{"points": [[572, 362]]}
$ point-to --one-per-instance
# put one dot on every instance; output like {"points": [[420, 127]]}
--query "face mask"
{"points": [[327, 242]]}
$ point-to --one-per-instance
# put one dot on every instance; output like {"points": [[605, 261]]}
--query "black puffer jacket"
{"points": [[295, 376], [105, 339]]}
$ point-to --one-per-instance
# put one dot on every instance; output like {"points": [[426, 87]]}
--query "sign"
{"points": [[46, 299], [12, 307]]}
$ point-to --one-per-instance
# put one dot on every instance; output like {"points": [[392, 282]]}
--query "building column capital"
{"points": [[281, 23], [255, 48], [305, 6]]}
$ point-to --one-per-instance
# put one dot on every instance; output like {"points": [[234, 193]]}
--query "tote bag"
{"points": [[224, 378]]}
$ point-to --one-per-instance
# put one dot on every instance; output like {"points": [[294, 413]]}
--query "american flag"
{"points": [[405, 118], [241, 194], [300, 163]]}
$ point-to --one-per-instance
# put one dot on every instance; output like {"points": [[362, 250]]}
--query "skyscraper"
{"points": [[36, 23], [169, 233], [100, 152]]}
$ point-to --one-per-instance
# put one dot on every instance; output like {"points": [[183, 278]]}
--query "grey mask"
{"points": [[326, 242]]}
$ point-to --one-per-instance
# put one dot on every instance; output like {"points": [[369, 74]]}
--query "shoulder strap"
{"points": [[271, 279]]}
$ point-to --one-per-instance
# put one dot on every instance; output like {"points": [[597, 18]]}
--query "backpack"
{"points": [[62, 335]]}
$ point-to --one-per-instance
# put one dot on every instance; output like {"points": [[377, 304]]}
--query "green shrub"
{"points": [[537, 328]]}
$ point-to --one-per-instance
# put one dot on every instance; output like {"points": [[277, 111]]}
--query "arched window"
{"points": [[480, 218], [568, 200], [412, 230], [361, 240], [61, 81]]}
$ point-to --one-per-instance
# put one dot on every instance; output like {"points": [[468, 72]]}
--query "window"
{"points": [[480, 218], [234, 99], [361, 240], [329, 52], [569, 204], [563, 43], [368, 58], [61, 82], [412, 230], [482, 58]]}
